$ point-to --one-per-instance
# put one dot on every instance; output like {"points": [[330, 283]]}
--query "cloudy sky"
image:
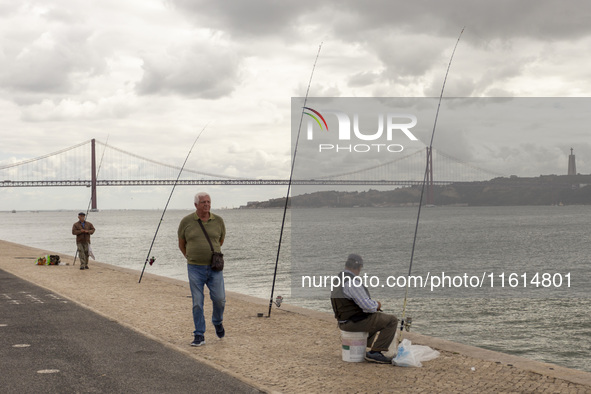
{"points": [[150, 74]]}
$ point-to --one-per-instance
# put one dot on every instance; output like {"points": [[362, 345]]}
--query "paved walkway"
{"points": [[296, 350], [52, 345]]}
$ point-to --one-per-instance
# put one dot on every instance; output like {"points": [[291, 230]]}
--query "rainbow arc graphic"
{"points": [[316, 118]]}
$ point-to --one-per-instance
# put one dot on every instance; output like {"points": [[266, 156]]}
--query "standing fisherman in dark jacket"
{"points": [[82, 230], [355, 311]]}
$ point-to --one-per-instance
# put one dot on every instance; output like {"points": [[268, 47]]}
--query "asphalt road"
{"points": [[51, 345]]}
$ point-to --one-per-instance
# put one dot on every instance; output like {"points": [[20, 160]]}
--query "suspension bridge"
{"points": [[77, 166]]}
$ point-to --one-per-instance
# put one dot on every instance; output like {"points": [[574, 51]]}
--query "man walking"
{"points": [[196, 249], [82, 230], [355, 311]]}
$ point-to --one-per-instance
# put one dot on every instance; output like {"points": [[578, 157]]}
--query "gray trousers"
{"points": [[83, 254], [377, 324]]}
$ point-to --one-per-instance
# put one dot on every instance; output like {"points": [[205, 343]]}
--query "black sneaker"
{"points": [[377, 357], [198, 341], [81, 268], [86, 267], [219, 330]]}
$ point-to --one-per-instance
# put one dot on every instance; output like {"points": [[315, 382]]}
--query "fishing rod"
{"points": [[90, 201], [151, 261], [289, 185], [423, 187]]}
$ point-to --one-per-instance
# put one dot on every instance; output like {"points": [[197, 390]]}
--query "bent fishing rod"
{"points": [[423, 187], [166, 206], [90, 201], [290, 179]]}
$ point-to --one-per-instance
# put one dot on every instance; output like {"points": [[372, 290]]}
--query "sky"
{"points": [[150, 74]]}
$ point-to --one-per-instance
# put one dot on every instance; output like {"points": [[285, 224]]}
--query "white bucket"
{"points": [[354, 344]]}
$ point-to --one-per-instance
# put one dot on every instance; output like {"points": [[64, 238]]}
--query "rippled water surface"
{"points": [[552, 326]]}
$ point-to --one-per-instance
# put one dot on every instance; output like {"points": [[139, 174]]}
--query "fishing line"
{"points": [[166, 206], [90, 201], [423, 187], [289, 183]]}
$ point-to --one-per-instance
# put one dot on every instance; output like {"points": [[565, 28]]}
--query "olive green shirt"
{"points": [[198, 250]]}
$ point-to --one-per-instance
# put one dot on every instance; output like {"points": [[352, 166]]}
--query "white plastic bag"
{"points": [[410, 355]]}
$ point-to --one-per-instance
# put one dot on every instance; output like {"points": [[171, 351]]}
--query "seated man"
{"points": [[355, 311]]}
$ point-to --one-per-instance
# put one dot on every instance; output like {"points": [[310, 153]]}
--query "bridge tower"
{"points": [[572, 167], [93, 175], [429, 176]]}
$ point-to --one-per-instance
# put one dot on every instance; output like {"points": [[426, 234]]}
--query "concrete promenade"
{"points": [[296, 350], [51, 345]]}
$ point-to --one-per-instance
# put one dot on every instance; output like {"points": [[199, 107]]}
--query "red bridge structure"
{"points": [[77, 166]]}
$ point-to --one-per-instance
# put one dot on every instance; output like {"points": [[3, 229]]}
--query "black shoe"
{"points": [[86, 267], [81, 267], [377, 357], [198, 341], [219, 330]]}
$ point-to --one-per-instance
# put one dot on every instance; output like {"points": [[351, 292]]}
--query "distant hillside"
{"points": [[543, 190]]}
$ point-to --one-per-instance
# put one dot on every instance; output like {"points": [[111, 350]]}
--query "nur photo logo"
{"points": [[388, 130]]}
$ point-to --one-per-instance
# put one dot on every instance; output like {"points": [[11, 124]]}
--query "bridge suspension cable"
{"points": [[466, 164], [177, 168], [412, 165], [344, 174], [23, 162], [71, 167]]}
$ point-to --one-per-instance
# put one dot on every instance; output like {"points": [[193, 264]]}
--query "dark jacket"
{"points": [[344, 308], [82, 238]]}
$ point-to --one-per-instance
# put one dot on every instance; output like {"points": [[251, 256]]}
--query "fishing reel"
{"points": [[407, 324], [278, 301], [151, 261]]}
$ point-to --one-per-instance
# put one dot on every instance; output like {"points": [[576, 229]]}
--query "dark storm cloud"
{"points": [[352, 19], [544, 19], [410, 39], [247, 18]]}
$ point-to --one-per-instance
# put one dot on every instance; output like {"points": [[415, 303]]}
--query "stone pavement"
{"points": [[296, 350]]}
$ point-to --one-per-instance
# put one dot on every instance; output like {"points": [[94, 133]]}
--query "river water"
{"points": [[487, 258]]}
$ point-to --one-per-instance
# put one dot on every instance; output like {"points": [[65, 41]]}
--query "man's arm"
{"points": [[359, 296], [76, 229], [223, 234], [183, 246]]}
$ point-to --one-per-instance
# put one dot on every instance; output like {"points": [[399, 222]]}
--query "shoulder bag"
{"points": [[217, 258]]}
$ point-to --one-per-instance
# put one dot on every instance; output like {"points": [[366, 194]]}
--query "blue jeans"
{"points": [[200, 275]]}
